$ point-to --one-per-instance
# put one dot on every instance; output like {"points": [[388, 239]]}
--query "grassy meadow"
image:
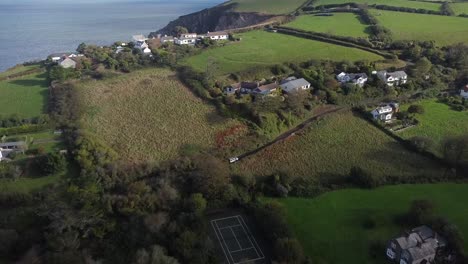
{"points": [[25, 185], [444, 30], [332, 24], [18, 69], [437, 122], [268, 6], [400, 3], [332, 146], [330, 227], [25, 96], [260, 48], [148, 115], [460, 8]]}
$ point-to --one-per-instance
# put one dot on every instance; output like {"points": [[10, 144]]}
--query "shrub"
{"points": [[421, 143], [362, 178], [416, 109], [53, 163]]}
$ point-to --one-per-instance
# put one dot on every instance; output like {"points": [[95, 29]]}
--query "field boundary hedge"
{"points": [[319, 37], [21, 74]]}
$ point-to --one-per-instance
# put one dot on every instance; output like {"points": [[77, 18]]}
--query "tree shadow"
{"points": [[29, 82]]}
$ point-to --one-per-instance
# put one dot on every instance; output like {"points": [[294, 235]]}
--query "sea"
{"points": [[32, 29]]}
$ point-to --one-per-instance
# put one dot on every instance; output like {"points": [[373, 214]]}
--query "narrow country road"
{"points": [[290, 132]]}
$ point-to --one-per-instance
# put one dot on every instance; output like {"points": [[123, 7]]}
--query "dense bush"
{"points": [[416, 109], [361, 178], [421, 143]]}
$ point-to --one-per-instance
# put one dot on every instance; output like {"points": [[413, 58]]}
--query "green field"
{"points": [[25, 96], [24, 185], [330, 227], [148, 115], [438, 122], [18, 69], [331, 147], [332, 24], [268, 6], [260, 48], [444, 30], [460, 8], [401, 3]]}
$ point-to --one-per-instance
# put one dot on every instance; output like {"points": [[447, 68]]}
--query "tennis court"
{"points": [[236, 240]]}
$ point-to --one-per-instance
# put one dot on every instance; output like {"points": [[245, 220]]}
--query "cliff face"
{"points": [[221, 17]]}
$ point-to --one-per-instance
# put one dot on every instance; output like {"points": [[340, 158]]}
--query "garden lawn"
{"points": [[332, 24], [331, 147], [330, 227], [25, 96], [261, 48], [444, 30], [460, 8], [268, 6], [438, 122], [148, 115], [400, 3], [24, 185]]}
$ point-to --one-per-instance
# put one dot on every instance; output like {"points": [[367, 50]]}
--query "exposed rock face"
{"points": [[221, 17]]}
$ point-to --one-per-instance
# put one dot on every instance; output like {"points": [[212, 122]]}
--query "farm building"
{"points": [[217, 35], [295, 85], [393, 78], [266, 89], [421, 245], [355, 78], [464, 92]]}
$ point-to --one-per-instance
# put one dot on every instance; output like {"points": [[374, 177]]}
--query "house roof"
{"points": [[249, 85], [294, 84], [397, 74], [409, 241], [355, 76], [266, 88], [235, 86], [424, 232], [59, 54], [422, 251], [67, 63], [219, 33]]}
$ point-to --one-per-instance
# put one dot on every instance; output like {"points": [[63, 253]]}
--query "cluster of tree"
{"points": [[446, 9], [406, 9], [456, 103], [379, 33], [15, 120]]}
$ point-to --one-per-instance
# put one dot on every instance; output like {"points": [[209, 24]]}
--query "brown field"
{"points": [[332, 147], [148, 115]]}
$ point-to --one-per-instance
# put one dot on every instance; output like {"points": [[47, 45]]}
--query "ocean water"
{"points": [[33, 29]]}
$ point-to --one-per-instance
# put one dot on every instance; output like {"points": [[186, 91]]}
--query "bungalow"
{"points": [[166, 39], [355, 78], [393, 78], [295, 85], [266, 89], [185, 41], [188, 35], [56, 57], [68, 63], [421, 245], [217, 35], [464, 92], [385, 112]]}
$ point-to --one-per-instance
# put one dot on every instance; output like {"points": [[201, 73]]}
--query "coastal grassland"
{"points": [[332, 24], [438, 122], [18, 69], [267, 6], [260, 48], [148, 115], [332, 146], [460, 8], [331, 226], [25, 96], [444, 30], [399, 3]]}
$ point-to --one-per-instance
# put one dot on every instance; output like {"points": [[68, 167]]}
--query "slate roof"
{"points": [[294, 84], [219, 33], [397, 74]]}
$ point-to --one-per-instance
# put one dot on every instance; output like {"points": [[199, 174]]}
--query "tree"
{"points": [[289, 251], [416, 109], [421, 212], [210, 177], [421, 143], [54, 163], [178, 30], [421, 67], [362, 178], [81, 48], [455, 151], [157, 255], [58, 73], [197, 203]]}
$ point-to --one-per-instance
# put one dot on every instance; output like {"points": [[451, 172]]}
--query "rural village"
{"points": [[326, 132]]}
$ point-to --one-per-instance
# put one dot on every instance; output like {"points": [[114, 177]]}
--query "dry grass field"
{"points": [[331, 147], [148, 115]]}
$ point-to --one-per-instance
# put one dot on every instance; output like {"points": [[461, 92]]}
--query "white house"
{"points": [[464, 92], [166, 39], [185, 41], [393, 78], [139, 38], [295, 85], [217, 35], [68, 63], [188, 35], [383, 113], [1, 155], [355, 78]]}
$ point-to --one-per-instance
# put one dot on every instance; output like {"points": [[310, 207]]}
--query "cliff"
{"points": [[221, 17]]}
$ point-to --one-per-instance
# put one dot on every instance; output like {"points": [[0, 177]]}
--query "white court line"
{"points": [[235, 237], [219, 219], [244, 249], [249, 234], [226, 227], [219, 239], [247, 261]]}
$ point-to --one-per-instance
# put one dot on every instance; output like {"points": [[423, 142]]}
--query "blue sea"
{"points": [[33, 29]]}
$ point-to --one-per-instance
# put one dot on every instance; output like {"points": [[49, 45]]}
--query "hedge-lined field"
{"points": [[331, 147], [268, 6], [460, 8], [260, 48], [399, 3], [438, 122], [444, 30], [25, 96], [331, 226], [148, 115], [332, 24]]}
